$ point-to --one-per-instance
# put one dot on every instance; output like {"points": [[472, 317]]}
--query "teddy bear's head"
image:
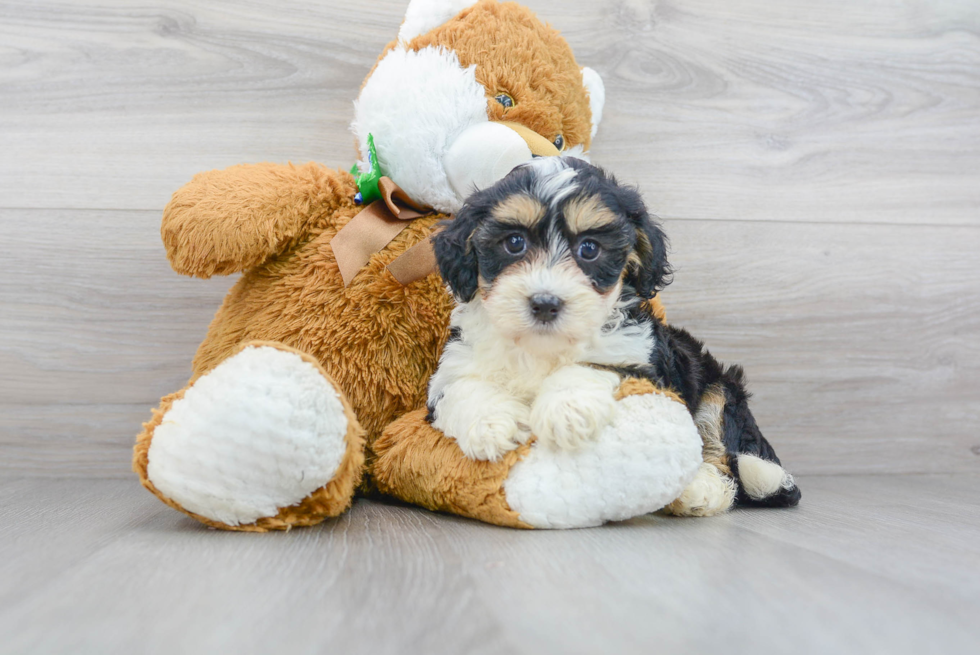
{"points": [[467, 92]]}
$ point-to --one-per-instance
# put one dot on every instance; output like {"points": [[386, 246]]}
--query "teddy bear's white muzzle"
{"points": [[483, 154]]}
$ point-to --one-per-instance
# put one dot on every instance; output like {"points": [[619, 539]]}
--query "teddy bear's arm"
{"points": [[229, 220]]}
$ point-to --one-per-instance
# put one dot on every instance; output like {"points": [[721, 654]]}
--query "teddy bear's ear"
{"points": [[597, 95], [423, 15]]}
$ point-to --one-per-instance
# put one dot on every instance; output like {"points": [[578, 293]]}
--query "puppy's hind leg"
{"points": [[762, 481], [713, 489]]}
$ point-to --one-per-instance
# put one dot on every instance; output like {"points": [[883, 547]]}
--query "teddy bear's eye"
{"points": [[559, 142], [505, 99]]}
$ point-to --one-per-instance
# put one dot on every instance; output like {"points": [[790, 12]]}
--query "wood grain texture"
{"points": [[817, 165], [859, 340], [857, 111], [97, 566]]}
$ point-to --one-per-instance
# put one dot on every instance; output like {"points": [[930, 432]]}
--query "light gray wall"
{"points": [[817, 165]]}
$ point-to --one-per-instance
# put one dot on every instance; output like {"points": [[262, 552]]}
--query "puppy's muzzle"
{"points": [[545, 307]]}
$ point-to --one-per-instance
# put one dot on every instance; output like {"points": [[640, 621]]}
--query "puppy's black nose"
{"points": [[545, 307]]}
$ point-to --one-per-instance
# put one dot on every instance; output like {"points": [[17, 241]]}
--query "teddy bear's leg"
{"points": [[263, 441], [639, 463]]}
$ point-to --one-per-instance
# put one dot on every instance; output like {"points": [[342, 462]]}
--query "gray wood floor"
{"points": [[873, 564]]}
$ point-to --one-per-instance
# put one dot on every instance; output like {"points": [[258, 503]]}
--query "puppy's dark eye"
{"points": [[515, 244], [559, 142], [588, 250], [505, 99]]}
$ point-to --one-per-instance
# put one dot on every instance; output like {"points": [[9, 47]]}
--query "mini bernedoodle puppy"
{"points": [[551, 267]]}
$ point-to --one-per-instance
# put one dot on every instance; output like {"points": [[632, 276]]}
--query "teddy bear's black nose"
{"points": [[545, 307]]}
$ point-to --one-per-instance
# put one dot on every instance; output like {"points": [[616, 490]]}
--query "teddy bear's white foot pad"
{"points": [[261, 431], [638, 464]]}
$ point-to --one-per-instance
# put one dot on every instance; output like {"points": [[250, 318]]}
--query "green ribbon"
{"points": [[367, 183]]}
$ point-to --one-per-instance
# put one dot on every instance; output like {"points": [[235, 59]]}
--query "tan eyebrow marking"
{"points": [[583, 214], [520, 210]]}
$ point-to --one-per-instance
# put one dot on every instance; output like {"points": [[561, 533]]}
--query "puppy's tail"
{"points": [[762, 481]]}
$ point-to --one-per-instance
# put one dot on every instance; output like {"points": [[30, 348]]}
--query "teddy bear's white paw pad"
{"points": [[636, 465], [261, 431]]}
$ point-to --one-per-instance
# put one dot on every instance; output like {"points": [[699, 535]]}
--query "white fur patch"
{"points": [[556, 274], [485, 421], [425, 15], [577, 152], [555, 179], [597, 95], [708, 494], [260, 432], [416, 104], [761, 478], [620, 343], [573, 405], [639, 463]]}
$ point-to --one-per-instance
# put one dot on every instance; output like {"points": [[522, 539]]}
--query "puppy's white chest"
{"points": [[625, 345]]}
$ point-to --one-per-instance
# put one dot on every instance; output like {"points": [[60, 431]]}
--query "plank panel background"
{"points": [[817, 164]]}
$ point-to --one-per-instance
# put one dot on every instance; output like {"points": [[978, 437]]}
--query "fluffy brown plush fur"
{"points": [[377, 340]]}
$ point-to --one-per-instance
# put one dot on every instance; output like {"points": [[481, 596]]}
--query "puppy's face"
{"points": [[550, 249]]}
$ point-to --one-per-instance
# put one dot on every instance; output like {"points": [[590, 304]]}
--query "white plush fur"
{"points": [[639, 463], [708, 494], [261, 431], [425, 15], [483, 154], [761, 478], [597, 95], [416, 104]]}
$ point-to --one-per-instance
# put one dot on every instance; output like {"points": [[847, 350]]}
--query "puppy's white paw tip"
{"points": [[261, 431], [709, 493], [492, 437], [762, 478], [569, 423]]}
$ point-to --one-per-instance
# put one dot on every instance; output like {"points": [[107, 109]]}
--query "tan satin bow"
{"points": [[374, 227]]}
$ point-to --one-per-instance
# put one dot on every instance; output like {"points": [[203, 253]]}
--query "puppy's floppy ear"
{"points": [[647, 270], [455, 255]]}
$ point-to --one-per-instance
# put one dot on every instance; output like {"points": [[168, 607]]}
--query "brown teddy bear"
{"points": [[310, 385]]}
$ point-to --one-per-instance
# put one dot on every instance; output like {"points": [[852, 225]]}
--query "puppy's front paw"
{"points": [[567, 419], [496, 431]]}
